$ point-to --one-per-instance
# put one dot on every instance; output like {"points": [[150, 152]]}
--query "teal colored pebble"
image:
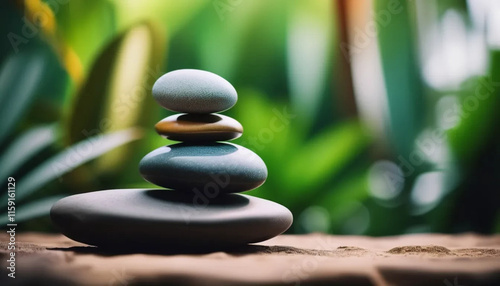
{"points": [[214, 168]]}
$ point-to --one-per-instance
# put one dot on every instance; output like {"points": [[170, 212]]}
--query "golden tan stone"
{"points": [[199, 127]]}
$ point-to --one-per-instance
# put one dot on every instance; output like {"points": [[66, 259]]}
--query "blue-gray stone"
{"points": [[194, 91], [212, 169], [144, 218]]}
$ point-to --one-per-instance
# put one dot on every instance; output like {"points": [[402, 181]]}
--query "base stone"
{"points": [[145, 218]]}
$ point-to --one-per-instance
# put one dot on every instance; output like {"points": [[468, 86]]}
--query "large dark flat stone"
{"points": [[143, 218]]}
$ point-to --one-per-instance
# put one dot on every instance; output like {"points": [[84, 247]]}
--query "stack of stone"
{"points": [[200, 164], [199, 208]]}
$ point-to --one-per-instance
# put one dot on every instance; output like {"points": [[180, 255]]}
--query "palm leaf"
{"points": [[20, 76], [32, 210], [116, 94], [26, 146], [71, 158]]}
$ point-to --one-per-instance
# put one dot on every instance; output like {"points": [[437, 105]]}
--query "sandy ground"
{"points": [[317, 259]]}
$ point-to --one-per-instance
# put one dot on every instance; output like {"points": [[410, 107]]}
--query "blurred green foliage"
{"points": [[77, 115]]}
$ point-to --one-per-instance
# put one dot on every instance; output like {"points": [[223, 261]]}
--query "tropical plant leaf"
{"points": [[172, 14], [116, 94], [479, 113], [401, 76], [20, 76], [11, 17], [88, 104], [230, 49], [32, 210], [270, 130], [324, 156], [80, 20], [71, 158], [25, 146], [343, 198], [267, 127], [138, 65], [351, 189], [309, 56]]}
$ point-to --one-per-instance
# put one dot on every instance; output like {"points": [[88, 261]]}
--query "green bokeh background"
{"points": [[373, 117]]}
